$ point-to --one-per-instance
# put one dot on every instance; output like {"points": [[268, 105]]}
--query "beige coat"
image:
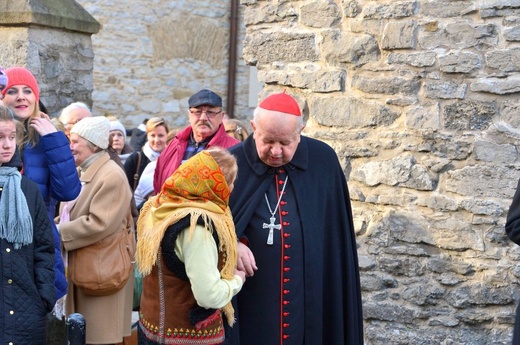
{"points": [[102, 208]]}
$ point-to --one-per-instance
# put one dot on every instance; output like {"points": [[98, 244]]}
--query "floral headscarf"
{"points": [[199, 189]]}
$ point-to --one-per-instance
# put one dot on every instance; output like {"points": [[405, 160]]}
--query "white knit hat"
{"points": [[115, 125], [95, 129]]}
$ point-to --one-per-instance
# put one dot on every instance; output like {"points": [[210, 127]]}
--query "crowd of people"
{"points": [[240, 238]]}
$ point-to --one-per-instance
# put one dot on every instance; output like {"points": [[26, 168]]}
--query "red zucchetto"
{"points": [[281, 102]]}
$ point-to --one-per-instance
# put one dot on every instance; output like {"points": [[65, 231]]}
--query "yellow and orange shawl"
{"points": [[197, 188]]}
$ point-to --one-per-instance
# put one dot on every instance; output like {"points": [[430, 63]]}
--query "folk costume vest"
{"points": [[193, 196], [179, 320]]}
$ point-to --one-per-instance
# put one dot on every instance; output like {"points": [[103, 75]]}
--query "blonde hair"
{"points": [[239, 131], [58, 124], [31, 136], [172, 133], [154, 122], [226, 161], [6, 114]]}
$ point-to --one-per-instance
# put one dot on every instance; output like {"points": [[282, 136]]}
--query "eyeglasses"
{"points": [[210, 114]]}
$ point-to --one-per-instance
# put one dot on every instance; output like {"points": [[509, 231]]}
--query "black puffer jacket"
{"points": [[27, 292]]}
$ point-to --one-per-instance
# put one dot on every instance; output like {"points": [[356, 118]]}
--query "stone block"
{"points": [[349, 112], [320, 14], [399, 35]]}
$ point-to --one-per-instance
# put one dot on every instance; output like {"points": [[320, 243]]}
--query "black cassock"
{"points": [[513, 232], [306, 289]]}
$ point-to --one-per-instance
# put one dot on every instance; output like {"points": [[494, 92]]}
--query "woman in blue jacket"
{"points": [[46, 156]]}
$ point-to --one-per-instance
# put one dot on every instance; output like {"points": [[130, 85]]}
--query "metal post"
{"points": [[76, 329]]}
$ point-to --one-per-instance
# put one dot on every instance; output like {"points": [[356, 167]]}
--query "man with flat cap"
{"points": [[205, 130], [293, 217]]}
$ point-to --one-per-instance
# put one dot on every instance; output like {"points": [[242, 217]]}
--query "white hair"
{"points": [[261, 111], [65, 113]]}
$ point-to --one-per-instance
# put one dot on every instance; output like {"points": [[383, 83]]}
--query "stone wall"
{"points": [[420, 101], [152, 55], [418, 98], [51, 38]]}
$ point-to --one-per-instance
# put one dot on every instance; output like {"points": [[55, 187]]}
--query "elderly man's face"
{"points": [[205, 120], [74, 117], [276, 137]]}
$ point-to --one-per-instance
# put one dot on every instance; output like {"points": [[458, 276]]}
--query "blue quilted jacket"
{"points": [[51, 166], [27, 292]]}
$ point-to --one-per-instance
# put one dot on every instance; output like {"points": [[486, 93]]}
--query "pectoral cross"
{"points": [[271, 227]]}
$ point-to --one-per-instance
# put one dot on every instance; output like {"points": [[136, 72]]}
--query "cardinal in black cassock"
{"points": [[292, 210]]}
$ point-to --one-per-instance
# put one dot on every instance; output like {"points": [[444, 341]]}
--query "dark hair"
{"points": [[42, 106]]}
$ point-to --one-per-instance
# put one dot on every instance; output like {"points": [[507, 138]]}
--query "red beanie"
{"points": [[21, 76], [281, 102]]}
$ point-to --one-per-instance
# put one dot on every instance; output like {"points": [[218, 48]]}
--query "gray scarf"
{"points": [[15, 223]]}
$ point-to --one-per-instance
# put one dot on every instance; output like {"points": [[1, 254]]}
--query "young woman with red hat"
{"points": [[46, 156]]}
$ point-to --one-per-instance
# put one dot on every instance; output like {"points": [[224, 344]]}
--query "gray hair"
{"points": [[65, 113]]}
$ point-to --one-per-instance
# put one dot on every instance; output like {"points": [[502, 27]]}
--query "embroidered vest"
{"points": [[169, 313]]}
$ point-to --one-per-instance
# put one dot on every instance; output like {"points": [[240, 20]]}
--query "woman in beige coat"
{"points": [[100, 210]]}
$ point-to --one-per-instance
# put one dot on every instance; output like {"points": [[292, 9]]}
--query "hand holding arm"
{"points": [[241, 274], [246, 260]]}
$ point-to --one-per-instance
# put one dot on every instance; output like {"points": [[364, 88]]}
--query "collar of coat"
{"points": [[91, 171], [300, 159]]}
